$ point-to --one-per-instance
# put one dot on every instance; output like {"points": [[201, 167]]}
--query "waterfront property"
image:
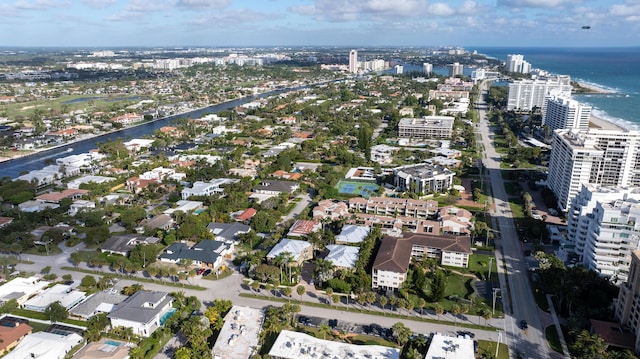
{"points": [[143, 312]]}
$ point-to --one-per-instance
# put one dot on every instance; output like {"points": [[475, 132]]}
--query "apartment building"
{"points": [[426, 127], [394, 255], [517, 63], [423, 178], [627, 306], [565, 113], [388, 206], [527, 94], [602, 157]]}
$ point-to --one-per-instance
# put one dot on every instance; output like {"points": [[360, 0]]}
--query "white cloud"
{"points": [[98, 4], [537, 3], [39, 4], [203, 4], [441, 9], [629, 11]]}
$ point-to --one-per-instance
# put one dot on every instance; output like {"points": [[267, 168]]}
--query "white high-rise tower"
{"points": [[563, 112], [353, 61]]}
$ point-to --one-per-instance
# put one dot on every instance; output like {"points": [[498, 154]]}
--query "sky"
{"points": [[348, 23]]}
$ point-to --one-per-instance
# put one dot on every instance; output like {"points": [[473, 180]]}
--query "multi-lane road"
{"points": [[516, 291]]}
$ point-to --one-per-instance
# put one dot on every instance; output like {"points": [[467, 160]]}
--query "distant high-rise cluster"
{"points": [[353, 61], [527, 94], [455, 69], [516, 63]]}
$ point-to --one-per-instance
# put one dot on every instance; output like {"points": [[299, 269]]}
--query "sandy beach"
{"points": [[597, 122], [595, 88]]}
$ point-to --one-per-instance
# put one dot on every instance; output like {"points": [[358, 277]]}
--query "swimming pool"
{"points": [[167, 315], [111, 342]]}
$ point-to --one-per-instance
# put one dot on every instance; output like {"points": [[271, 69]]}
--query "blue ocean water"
{"points": [[617, 69]]}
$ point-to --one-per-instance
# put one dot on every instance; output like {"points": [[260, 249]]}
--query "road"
{"points": [[232, 286], [517, 294]]}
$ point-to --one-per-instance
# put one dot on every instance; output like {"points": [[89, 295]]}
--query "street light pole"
{"points": [[490, 268], [498, 342], [495, 294]]}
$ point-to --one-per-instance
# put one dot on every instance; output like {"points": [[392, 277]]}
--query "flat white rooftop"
{"points": [[239, 335], [443, 346], [294, 345]]}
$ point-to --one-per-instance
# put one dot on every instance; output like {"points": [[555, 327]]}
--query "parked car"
{"points": [[524, 325]]}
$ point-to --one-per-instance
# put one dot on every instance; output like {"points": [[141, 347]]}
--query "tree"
{"points": [[287, 291], [439, 310], [255, 285], [56, 312], [401, 332], [324, 329], [301, 290], [589, 345], [88, 282], [393, 300], [383, 301], [421, 304], [438, 286], [329, 293], [455, 310]]}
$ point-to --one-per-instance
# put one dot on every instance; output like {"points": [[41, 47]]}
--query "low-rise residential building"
{"points": [[144, 312], [388, 206], [301, 228], [274, 187], [423, 178], [228, 232], [294, 345], [395, 253], [383, 154], [399, 223], [239, 335], [298, 249], [162, 221], [185, 206], [361, 174], [66, 295], [343, 257], [454, 220], [45, 345], [122, 244], [100, 302], [5, 221], [80, 205], [445, 346], [56, 197], [21, 289], [200, 188], [330, 209], [426, 127], [11, 335], [352, 234], [206, 253]]}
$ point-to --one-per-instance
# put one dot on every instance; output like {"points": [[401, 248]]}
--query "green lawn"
{"points": [[479, 263], [551, 334], [487, 349]]}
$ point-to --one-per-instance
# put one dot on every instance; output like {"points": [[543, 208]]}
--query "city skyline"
{"points": [[107, 23]]}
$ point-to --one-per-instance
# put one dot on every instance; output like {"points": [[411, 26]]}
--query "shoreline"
{"points": [[594, 89], [600, 123]]}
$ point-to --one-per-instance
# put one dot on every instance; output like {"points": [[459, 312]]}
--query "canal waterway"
{"points": [[13, 168]]}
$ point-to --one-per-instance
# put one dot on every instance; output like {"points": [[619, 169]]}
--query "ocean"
{"points": [[617, 69]]}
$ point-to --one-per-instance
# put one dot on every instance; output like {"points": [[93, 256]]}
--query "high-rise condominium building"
{"points": [[627, 307], [353, 61], [455, 69], [427, 67], [527, 94], [604, 229], [601, 157], [565, 113], [516, 63]]}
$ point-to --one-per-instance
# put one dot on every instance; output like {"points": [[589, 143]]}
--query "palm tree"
{"points": [[455, 310], [329, 293], [393, 300], [324, 329], [421, 304], [439, 310], [287, 291], [383, 301], [301, 290], [255, 285]]}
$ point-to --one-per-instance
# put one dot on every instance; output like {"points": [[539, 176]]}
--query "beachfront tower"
{"points": [[428, 68], [455, 69], [564, 113]]}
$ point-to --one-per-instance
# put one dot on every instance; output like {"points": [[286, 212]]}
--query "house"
{"points": [[101, 302], [161, 221], [11, 334], [67, 296], [76, 183], [144, 312], [80, 205], [343, 257], [454, 220], [299, 250], [246, 215], [351, 234], [361, 174], [227, 232], [5, 221], [302, 228], [207, 188], [45, 345], [21, 289], [206, 253], [274, 187], [186, 206], [332, 210], [123, 243], [136, 184], [445, 346], [36, 206], [395, 253], [56, 197]]}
